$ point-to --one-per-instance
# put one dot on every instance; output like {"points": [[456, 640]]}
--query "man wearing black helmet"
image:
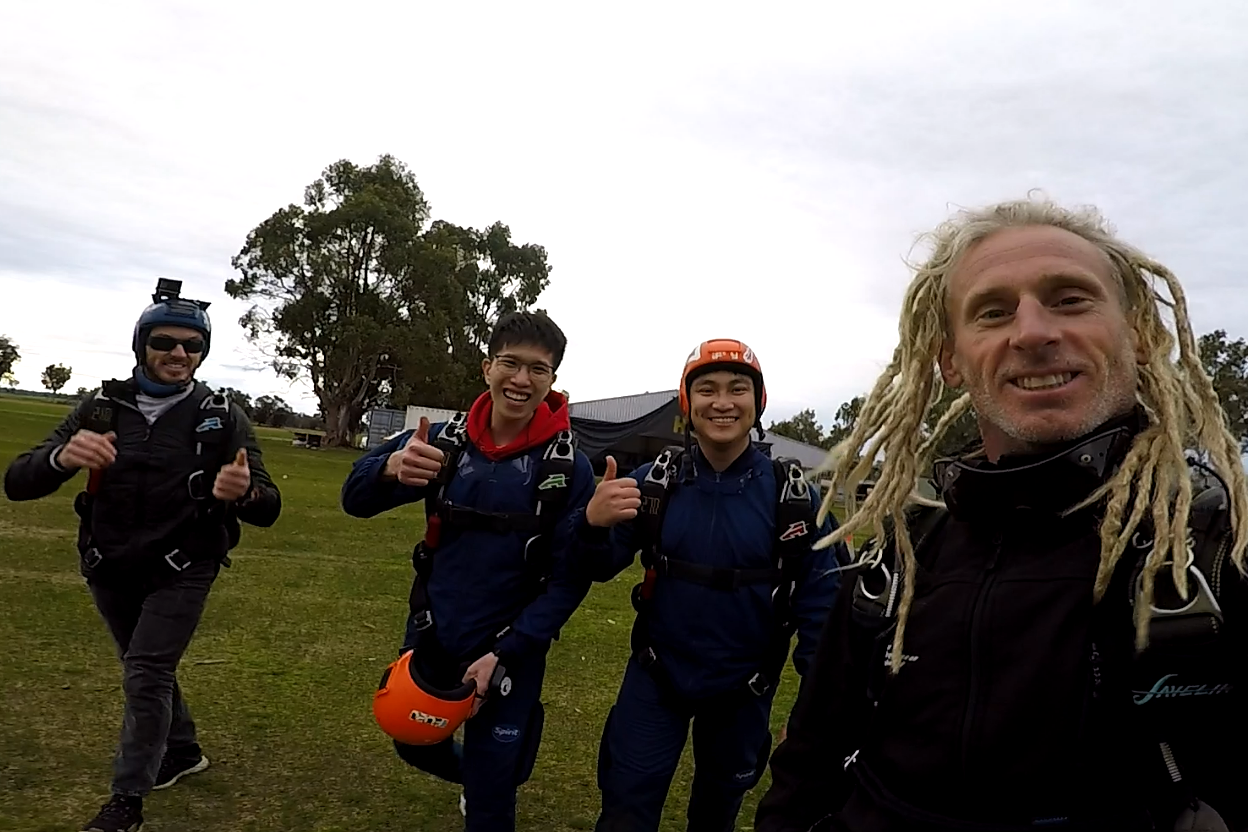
{"points": [[172, 469]]}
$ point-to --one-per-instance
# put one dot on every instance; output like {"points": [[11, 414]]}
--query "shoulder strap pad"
{"points": [[101, 417], [554, 478], [656, 488], [451, 441], [877, 591], [213, 425], [214, 400], [795, 516], [212, 432], [795, 526], [1199, 618], [454, 433], [554, 485]]}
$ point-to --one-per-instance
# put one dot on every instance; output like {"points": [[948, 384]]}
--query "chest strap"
{"points": [[716, 577], [496, 522]]}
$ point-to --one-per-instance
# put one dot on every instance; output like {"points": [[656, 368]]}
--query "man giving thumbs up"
{"points": [[173, 469], [501, 485], [716, 611]]}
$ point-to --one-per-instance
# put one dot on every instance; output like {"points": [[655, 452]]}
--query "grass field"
{"points": [[280, 675]]}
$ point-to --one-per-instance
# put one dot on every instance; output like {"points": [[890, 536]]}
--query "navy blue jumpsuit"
{"points": [[478, 586], [709, 643]]}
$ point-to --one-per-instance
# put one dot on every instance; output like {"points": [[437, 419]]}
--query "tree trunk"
{"points": [[338, 423]]}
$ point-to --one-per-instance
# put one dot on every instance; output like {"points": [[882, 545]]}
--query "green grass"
{"points": [[280, 675]]}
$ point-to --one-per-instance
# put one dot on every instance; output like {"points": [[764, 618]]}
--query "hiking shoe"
{"points": [[173, 769], [121, 814]]}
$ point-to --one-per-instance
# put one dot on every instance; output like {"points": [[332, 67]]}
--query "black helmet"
{"points": [[168, 309]]}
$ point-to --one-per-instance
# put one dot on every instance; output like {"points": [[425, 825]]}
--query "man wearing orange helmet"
{"points": [[725, 536], [492, 587]]}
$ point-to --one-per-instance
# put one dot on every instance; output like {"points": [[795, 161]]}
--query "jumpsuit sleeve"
{"points": [[808, 776], [603, 553], [817, 592], [541, 620], [366, 494], [35, 473], [263, 502]]}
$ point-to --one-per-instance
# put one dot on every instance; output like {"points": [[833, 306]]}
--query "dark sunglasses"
{"points": [[167, 343]]}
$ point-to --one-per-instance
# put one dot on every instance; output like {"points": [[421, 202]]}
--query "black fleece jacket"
{"points": [[1020, 703], [144, 506]]}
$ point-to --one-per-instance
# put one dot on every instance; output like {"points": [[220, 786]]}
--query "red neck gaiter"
{"points": [[550, 417]]}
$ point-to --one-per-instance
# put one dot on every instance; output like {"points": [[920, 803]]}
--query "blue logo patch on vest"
{"points": [[506, 733], [211, 423]]}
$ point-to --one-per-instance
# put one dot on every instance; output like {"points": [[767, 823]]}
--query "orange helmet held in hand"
{"points": [[410, 710], [723, 354]]}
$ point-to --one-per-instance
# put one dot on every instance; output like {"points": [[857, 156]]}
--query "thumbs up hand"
{"points": [[614, 500], [417, 462], [234, 479]]}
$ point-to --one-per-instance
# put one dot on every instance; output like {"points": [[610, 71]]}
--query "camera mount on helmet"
{"points": [[171, 290]]}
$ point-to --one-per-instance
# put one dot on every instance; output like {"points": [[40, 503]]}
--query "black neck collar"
{"points": [[1048, 483]]}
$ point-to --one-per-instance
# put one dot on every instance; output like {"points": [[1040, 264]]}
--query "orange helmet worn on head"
{"points": [[723, 354], [414, 712]]}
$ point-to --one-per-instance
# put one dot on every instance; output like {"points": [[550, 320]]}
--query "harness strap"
{"points": [[716, 577], [102, 419], [496, 522], [794, 523], [554, 481], [213, 431]]}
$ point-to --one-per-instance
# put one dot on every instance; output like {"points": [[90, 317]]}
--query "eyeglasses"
{"points": [[509, 366], [167, 343]]}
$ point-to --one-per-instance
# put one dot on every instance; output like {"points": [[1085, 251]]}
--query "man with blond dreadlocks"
{"points": [[1059, 641]]}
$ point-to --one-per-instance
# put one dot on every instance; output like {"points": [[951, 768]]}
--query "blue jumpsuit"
{"points": [[477, 587], [709, 643]]}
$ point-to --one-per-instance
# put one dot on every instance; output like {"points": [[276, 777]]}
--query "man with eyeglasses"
{"points": [[172, 469], [501, 484]]}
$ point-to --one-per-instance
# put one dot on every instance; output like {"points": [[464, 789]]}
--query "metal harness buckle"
{"points": [[759, 685], [195, 486], [177, 563]]}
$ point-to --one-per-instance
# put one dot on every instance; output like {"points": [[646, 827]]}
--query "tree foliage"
{"points": [[1226, 362], [801, 428], [375, 305], [56, 376], [9, 357], [272, 411], [843, 421]]}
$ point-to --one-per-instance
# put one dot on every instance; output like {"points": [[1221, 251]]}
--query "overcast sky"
{"points": [[695, 170]]}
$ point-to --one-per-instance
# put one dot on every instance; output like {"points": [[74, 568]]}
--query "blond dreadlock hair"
{"points": [[1177, 396]]}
